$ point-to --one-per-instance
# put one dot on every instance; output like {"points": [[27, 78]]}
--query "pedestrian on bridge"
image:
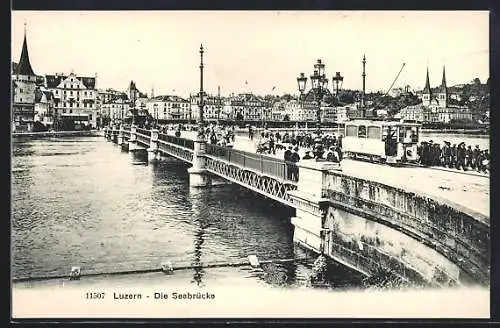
{"points": [[288, 162], [295, 158], [461, 157]]}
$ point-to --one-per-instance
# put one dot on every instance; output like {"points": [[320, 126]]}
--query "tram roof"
{"points": [[381, 122]]}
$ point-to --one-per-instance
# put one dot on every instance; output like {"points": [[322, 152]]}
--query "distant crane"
{"points": [[395, 80]]}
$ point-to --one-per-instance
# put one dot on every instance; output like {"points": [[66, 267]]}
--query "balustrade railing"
{"points": [[144, 132], [263, 164], [183, 142]]}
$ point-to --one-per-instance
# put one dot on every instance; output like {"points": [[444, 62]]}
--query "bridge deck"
{"points": [[471, 191]]}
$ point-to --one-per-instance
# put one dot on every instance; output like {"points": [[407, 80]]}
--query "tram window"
{"points": [[351, 131], [362, 131], [385, 132], [373, 132], [391, 133], [414, 134]]}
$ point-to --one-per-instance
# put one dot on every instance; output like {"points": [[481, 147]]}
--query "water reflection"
{"points": [[199, 220], [139, 157]]}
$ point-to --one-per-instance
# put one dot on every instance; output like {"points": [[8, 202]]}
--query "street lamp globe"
{"points": [[315, 80], [337, 81], [302, 81], [320, 67]]}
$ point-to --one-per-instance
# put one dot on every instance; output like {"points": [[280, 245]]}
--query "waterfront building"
{"points": [[278, 111], [334, 113], [116, 109], [227, 111], [107, 95], [75, 98], [214, 108], [45, 111], [24, 82], [168, 107], [249, 107], [106, 103]]}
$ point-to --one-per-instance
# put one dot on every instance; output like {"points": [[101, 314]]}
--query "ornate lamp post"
{"points": [[301, 81], [201, 132], [319, 87], [218, 105], [336, 80]]}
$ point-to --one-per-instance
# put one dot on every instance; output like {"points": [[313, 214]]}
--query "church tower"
{"points": [[427, 93], [24, 89], [24, 71], [442, 96]]}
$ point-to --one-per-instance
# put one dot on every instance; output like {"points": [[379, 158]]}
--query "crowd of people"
{"points": [[291, 143], [461, 156], [457, 156], [270, 142]]}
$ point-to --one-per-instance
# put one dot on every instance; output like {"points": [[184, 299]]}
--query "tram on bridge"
{"points": [[381, 141]]}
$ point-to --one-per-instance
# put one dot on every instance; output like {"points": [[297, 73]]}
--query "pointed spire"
{"points": [[24, 66], [427, 88], [443, 88]]}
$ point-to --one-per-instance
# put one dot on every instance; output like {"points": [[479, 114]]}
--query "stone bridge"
{"points": [[363, 223]]}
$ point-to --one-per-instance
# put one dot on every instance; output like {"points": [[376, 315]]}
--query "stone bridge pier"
{"points": [[122, 140], [133, 146], [199, 176], [154, 150]]}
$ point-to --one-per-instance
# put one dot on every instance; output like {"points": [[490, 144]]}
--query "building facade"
{"points": [[214, 107], [168, 107], [75, 98], [104, 100], [116, 110], [249, 107], [45, 112]]}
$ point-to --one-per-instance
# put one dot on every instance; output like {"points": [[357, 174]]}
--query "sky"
{"points": [[254, 51]]}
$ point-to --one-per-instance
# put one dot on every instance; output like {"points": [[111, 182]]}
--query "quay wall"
{"points": [[90, 133], [402, 230]]}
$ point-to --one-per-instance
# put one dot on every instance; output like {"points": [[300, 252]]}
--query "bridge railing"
{"points": [[183, 142], [144, 132], [266, 165]]}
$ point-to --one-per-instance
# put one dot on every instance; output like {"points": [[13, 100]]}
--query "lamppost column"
{"points": [[201, 133]]}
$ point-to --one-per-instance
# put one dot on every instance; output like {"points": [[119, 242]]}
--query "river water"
{"points": [[81, 201]]}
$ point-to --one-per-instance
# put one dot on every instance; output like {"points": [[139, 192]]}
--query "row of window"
{"points": [[85, 93], [77, 105], [174, 105], [372, 132]]}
